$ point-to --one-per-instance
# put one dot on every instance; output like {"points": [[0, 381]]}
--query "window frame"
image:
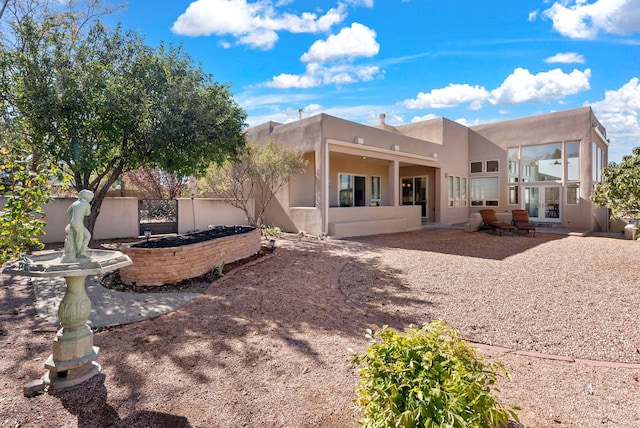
{"points": [[457, 191], [477, 202], [375, 201]]}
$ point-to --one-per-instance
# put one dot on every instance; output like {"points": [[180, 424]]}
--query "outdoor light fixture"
{"points": [[147, 233]]}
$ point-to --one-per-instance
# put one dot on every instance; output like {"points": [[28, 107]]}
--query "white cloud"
{"points": [[451, 96], [565, 58], [351, 42], [533, 15], [523, 87], [285, 80], [318, 75], [423, 118], [254, 24], [365, 3], [619, 112], [578, 19]]}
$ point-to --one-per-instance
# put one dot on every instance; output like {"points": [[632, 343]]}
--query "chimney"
{"points": [[382, 117]]}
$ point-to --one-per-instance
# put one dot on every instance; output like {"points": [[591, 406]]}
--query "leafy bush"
{"points": [[427, 377], [268, 231]]}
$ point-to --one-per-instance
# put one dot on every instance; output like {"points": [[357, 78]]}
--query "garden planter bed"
{"points": [[172, 259]]}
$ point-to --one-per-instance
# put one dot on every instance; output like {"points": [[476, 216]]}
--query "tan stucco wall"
{"points": [[119, 217], [208, 211]]}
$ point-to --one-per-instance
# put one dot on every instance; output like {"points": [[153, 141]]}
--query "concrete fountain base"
{"points": [[72, 360]]}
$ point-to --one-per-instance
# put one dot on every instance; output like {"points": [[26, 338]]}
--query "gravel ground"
{"points": [[267, 346]]}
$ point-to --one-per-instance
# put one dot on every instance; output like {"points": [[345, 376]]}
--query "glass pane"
{"points": [[476, 167], [513, 195], [359, 191], [573, 193], [552, 202], [375, 191], [346, 190], [463, 191], [532, 201], [573, 160], [493, 166], [542, 163], [420, 193], [484, 188], [407, 191], [450, 190], [514, 165]]}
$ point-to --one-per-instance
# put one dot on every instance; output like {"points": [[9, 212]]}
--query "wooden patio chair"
{"points": [[490, 219], [521, 222]]}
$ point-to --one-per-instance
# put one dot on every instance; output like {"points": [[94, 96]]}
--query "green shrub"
{"points": [[268, 231], [427, 377]]}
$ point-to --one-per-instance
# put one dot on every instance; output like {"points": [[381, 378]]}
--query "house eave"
{"points": [[387, 152]]}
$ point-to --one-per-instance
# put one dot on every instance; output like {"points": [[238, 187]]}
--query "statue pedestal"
{"points": [[72, 360]]}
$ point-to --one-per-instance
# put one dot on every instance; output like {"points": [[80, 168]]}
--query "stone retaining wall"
{"points": [[158, 266]]}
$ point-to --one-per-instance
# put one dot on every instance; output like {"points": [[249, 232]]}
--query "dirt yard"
{"points": [[268, 345]]}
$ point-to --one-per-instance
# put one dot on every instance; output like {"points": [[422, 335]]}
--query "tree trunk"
{"points": [[99, 193]]}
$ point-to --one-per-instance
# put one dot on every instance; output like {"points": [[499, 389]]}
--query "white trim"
{"points": [[602, 137], [391, 153]]}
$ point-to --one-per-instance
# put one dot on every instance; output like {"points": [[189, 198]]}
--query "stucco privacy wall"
{"points": [[200, 213], [119, 217], [158, 266]]}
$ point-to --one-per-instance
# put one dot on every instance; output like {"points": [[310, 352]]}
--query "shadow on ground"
{"points": [[480, 244], [89, 403]]}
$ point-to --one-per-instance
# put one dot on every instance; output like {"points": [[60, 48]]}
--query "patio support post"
{"points": [[394, 183], [325, 187]]}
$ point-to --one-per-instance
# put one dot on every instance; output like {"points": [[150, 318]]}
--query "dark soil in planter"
{"points": [[194, 238]]}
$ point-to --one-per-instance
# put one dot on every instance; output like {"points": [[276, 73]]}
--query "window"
{"points": [[375, 191], [475, 167], [351, 191], [493, 166], [573, 193], [598, 163], [513, 157], [513, 195], [484, 192], [542, 162], [457, 191], [345, 193], [572, 150]]}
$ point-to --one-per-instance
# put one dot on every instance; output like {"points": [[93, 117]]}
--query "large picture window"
{"points": [[485, 192], [542, 163]]}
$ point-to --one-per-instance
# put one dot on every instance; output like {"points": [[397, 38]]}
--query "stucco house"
{"points": [[379, 179]]}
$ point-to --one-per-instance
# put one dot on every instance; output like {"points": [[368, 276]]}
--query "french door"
{"points": [[543, 203], [414, 192]]}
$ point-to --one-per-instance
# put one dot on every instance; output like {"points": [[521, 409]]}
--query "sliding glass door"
{"points": [[414, 192]]}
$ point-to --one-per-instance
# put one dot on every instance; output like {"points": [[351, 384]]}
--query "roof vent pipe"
{"points": [[382, 117]]}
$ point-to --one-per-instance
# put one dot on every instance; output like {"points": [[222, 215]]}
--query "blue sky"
{"points": [[469, 61]]}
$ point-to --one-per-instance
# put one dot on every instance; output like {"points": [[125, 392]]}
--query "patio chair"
{"points": [[490, 219], [521, 222]]}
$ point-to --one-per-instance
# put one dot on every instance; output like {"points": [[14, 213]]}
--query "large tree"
{"points": [[620, 188], [100, 102], [255, 175]]}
